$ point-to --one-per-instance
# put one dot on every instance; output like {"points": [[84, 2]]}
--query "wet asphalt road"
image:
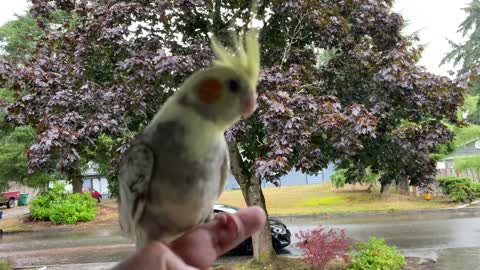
{"points": [[415, 234], [424, 235]]}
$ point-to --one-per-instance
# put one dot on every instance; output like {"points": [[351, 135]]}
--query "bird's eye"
{"points": [[233, 85]]}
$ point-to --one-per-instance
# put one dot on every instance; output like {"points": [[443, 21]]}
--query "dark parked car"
{"points": [[280, 233], [95, 194]]}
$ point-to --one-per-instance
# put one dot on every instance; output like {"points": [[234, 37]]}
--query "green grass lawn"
{"points": [[319, 199]]}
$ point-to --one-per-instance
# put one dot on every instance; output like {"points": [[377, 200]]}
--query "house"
{"points": [[467, 153], [91, 179], [294, 178]]}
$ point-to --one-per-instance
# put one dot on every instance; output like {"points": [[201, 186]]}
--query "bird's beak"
{"points": [[249, 104]]}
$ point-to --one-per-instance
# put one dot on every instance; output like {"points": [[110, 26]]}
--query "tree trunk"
{"points": [[385, 189], [262, 240], [253, 195], [77, 182], [403, 185]]}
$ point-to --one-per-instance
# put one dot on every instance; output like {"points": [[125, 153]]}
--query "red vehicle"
{"points": [[95, 194], [8, 198]]}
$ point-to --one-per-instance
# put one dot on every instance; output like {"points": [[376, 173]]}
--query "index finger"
{"points": [[203, 245]]}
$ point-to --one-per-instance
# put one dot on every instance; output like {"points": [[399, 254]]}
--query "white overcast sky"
{"points": [[435, 20]]}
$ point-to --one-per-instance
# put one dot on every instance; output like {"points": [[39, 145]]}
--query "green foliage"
{"points": [[464, 135], [467, 162], [18, 36], [375, 254], [338, 178], [467, 53], [443, 151], [5, 265], [324, 56], [14, 142], [459, 189], [474, 117], [437, 156], [471, 107], [470, 104], [6, 95], [476, 189], [105, 153], [13, 163], [61, 207]]}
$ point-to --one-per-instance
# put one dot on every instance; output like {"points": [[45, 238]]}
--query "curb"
{"points": [[468, 204], [83, 266], [53, 229]]}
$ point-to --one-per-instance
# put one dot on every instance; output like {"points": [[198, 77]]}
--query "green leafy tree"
{"points": [[18, 37], [13, 144], [467, 54], [17, 45]]}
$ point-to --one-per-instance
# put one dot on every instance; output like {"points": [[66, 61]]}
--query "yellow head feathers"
{"points": [[245, 58]]}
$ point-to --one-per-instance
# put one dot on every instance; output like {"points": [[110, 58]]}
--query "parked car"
{"points": [[280, 233], [8, 198], [95, 194]]}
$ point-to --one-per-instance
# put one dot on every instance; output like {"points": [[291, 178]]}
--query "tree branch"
{"points": [[292, 38]]}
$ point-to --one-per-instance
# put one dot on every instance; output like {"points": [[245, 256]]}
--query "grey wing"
{"points": [[135, 174], [224, 171]]}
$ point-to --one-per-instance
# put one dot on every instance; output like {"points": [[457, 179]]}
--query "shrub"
{"points": [[375, 254], [61, 207], [460, 189], [476, 190], [4, 265], [320, 246], [338, 178]]}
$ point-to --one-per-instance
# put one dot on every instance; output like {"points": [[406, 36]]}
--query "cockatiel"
{"points": [[172, 174]]}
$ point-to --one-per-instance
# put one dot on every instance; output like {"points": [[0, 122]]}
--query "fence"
{"points": [[469, 173]]}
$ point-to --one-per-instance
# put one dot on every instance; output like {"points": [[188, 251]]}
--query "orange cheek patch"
{"points": [[209, 91]]}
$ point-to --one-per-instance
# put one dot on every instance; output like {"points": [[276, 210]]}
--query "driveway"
{"points": [[16, 211]]}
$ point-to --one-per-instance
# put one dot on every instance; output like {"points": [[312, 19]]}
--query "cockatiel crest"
{"points": [[245, 59]]}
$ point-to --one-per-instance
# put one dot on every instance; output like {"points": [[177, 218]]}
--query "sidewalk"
{"points": [[448, 259], [83, 266], [459, 259]]}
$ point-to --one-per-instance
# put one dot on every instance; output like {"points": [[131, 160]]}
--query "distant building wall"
{"points": [[470, 149], [91, 179], [446, 167], [98, 183], [294, 178]]}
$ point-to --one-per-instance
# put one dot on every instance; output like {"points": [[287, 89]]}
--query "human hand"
{"points": [[199, 248]]}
